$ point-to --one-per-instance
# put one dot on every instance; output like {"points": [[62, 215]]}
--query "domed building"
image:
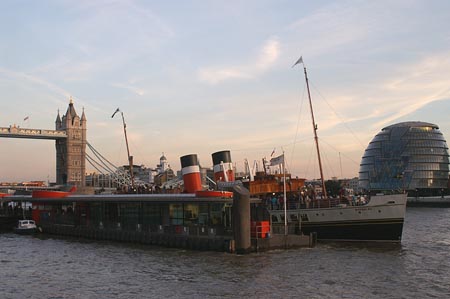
{"points": [[408, 155]]}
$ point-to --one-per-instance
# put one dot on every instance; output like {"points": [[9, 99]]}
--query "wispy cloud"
{"points": [[53, 91], [416, 86], [269, 55], [24, 77], [266, 59], [334, 26], [101, 37], [130, 87]]}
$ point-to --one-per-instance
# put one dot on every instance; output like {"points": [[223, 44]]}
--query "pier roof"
{"points": [[156, 198]]}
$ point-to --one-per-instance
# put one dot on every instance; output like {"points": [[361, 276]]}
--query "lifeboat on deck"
{"points": [[51, 193]]}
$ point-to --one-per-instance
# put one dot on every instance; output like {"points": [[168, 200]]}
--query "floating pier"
{"points": [[228, 224]]}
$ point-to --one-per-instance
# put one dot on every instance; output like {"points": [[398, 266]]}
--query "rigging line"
{"points": [[298, 141], [269, 149], [309, 159], [119, 149], [339, 151], [330, 169], [338, 115], [136, 149], [299, 110]]}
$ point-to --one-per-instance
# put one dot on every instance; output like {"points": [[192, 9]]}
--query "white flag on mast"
{"points": [[300, 60], [277, 160]]}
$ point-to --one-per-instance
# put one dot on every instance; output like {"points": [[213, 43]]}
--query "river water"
{"points": [[43, 267]]}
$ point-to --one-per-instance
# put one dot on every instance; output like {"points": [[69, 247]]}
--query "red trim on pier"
{"points": [[49, 194], [208, 193]]}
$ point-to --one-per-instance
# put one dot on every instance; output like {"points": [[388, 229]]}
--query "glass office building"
{"points": [[409, 155]]}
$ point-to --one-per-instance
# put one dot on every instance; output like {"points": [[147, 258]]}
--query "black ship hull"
{"points": [[389, 230], [381, 219]]}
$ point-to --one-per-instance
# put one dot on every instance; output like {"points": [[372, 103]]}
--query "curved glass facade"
{"points": [[408, 155]]}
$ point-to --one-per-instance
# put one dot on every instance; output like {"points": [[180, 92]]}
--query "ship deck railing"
{"points": [[279, 229], [318, 203]]}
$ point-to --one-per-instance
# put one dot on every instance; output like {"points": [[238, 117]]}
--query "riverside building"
{"points": [[410, 155]]}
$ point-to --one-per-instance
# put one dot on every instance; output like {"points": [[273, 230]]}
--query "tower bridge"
{"points": [[70, 143], [17, 132]]}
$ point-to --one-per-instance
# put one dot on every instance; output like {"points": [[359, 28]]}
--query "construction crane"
{"points": [[130, 158]]}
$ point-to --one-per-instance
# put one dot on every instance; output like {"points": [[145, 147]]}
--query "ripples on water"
{"points": [[40, 267]]}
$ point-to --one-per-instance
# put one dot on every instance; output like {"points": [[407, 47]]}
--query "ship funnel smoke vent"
{"points": [[190, 169], [223, 167]]}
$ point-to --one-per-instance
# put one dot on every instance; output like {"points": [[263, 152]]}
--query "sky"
{"points": [[196, 77]]}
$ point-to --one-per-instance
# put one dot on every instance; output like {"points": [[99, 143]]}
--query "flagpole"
{"points": [[274, 162]]}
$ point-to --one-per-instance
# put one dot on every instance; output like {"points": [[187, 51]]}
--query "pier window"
{"points": [[152, 215], [191, 213], [216, 210], [95, 213], [176, 214], [111, 214], [129, 215], [203, 214]]}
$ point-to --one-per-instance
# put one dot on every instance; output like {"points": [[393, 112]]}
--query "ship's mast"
{"points": [[316, 139]]}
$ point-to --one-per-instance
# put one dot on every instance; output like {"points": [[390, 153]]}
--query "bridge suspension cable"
{"points": [[105, 167]]}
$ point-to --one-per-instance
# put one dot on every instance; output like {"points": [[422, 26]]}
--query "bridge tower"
{"points": [[71, 151]]}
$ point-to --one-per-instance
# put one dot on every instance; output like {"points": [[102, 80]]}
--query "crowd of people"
{"points": [[306, 201]]}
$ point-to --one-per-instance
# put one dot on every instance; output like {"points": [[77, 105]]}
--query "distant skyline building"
{"points": [[409, 155], [163, 164]]}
